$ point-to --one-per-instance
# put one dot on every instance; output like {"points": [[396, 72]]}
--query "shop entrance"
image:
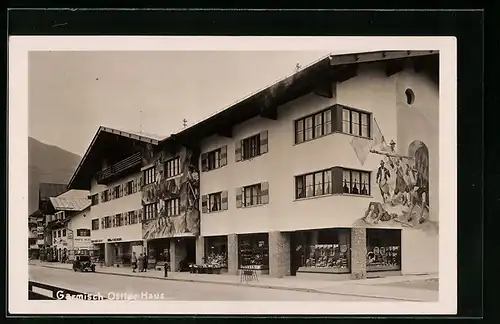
{"points": [[295, 251], [190, 251]]}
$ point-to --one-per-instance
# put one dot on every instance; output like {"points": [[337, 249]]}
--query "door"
{"points": [[295, 248]]}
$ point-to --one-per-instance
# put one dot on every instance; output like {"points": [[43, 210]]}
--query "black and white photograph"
{"points": [[226, 175]]}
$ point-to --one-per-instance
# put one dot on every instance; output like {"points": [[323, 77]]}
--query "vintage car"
{"points": [[83, 263]]}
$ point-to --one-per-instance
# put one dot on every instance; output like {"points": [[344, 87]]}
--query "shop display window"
{"points": [[383, 250], [326, 250], [216, 251], [254, 251]]}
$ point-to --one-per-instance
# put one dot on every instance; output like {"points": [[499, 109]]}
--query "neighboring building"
{"points": [[289, 175], [70, 225]]}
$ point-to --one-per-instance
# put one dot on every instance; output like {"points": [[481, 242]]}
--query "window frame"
{"points": [[314, 174], [94, 199], [361, 173], [172, 169], [218, 202], [247, 141], [258, 195], [314, 126], [149, 175], [216, 154], [95, 221], [175, 209], [150, 211], [83, 229], [359, 124]]}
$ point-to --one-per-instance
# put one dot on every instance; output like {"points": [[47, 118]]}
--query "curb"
{"points": [[309, 290]]}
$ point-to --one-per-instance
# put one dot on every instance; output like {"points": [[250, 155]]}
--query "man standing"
{"points": [[383, 176], [145, 262], [134, 262]]}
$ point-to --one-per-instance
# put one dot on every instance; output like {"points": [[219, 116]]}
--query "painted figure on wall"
{"points": [[403, 182]]}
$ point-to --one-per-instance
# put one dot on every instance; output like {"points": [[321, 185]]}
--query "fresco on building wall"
{"points": [[403, 184], [186, 187]]}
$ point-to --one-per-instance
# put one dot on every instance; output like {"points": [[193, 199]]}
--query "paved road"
{"points": [[172, 290]]}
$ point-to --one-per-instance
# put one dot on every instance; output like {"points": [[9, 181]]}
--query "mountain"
{"points": [[47, 163]]}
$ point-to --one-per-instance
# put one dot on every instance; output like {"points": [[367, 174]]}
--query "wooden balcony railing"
{"points": [[118, 168]]}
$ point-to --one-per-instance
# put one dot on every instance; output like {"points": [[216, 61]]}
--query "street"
{"points": [[114, 285]]}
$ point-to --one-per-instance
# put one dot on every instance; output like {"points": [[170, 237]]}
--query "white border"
{"points": [[18, 166]]}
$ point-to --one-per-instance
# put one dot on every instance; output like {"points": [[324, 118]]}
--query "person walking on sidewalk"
{"points": [[134, 262], [145, 262], [141, 262]]}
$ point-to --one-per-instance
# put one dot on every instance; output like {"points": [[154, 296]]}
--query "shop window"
{"points": [[356, 122], [83, 232], [356, 182], [254, 251], [383, 250], [216, 251], [149, 175], [313, 184], [173, 167], [313, 126], [95, 224], [326, 250]]}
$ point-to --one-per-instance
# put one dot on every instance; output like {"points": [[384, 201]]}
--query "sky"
{"points": [[72, 93]]}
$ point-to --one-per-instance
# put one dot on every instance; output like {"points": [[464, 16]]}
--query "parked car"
{"points": [[83, 263]]}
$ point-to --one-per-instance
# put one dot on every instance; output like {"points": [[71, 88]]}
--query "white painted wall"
{"points": [[82, 220], [124, 204]]}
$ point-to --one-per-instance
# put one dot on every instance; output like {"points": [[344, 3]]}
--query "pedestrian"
{"points": [[134, 262], [145, 262], [141, 262]]}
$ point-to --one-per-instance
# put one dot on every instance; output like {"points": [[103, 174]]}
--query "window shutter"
{"points": [[223, 156], [102, 197], [264, 147], [337, 178], [239, 197], [141, 182], [237, 151], [112, 222], [264, 192], [139, 216], [204, 207], [224, 202], [204, 162], [102, 223], [121, 189]]}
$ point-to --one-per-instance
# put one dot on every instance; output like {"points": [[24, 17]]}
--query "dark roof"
{"points": [[47, 190], [330, 68], [100, 143]]}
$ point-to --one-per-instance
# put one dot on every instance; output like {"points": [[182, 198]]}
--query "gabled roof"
{"points": [[47, 190], [102, 131], [330, 68], [72, 200]]}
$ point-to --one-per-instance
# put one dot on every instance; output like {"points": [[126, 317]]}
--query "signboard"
{"points": [[114, 239], [96, 241], [70, 235]]}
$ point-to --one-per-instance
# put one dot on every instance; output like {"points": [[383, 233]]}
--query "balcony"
{"points": [[119, 169]]}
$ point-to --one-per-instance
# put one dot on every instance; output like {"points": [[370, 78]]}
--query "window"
{"points": [[129, 187], [250, 147], [95, 224], [314, 126], [118, 220], [64, 233], [173, 167], [383, 249], [116, 192], [313, 184], [105, 195], [59, 233], [172, 206], [149, 175], [150, 211], [325, 250], [253, 251], [214, 159], [106, 222], [355, 122], [252, 195], [94, 199], [356, 182], [214, 202], [83, 232], [131, 218]]}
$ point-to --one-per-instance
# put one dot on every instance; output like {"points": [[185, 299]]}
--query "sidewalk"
{"points": [[381, 288]]}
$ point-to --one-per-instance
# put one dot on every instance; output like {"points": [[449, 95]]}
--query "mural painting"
{"points": [[185, 186], [403, 183]]}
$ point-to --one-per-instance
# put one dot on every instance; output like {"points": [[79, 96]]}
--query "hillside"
{"points": [[47, 163]]}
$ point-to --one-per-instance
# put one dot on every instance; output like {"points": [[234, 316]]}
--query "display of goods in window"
{"points": [[383, 257], [327, 256]]}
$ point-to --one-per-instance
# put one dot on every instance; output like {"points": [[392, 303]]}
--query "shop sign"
{"points": [[70, 235], [114, 239], [80, 239], [96, 241]]}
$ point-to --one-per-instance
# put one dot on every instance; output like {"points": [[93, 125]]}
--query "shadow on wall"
{"points": [[404, 185]]}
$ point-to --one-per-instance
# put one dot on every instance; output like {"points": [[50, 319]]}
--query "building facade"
{"points": [[332, 171]]}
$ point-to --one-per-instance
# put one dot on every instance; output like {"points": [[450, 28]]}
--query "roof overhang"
{"points": [[106, 142], [312, 78]]}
